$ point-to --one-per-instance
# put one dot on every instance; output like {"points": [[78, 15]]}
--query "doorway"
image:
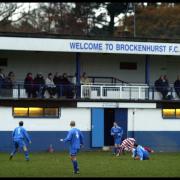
{"points": [[110, 115]]}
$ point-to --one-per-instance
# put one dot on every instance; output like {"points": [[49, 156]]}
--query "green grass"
{"points": [[92, 164]]}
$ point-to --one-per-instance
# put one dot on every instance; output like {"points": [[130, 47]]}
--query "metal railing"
{"points": [[91, 91], [130, 92], [114, 92]]}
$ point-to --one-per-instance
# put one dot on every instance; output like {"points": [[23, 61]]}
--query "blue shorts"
{"points": [[146, 156], [117, 141], [19, 143], [73, 152]]}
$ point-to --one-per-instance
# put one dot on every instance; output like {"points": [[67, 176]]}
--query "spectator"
{"points": [[50, 86], [74, 79], [177, 86], [39, 86], [57, 81], [2, 78], [28, 84], [85, 81], [75, 88], [162, 86], [9, 82], [67, 86]]}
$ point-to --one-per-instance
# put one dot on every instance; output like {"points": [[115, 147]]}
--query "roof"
{"points": [[87, 37]]}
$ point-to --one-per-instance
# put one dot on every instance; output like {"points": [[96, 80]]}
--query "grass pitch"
{"points": [[92, 164]]}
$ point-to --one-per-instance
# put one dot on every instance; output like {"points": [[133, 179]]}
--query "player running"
{"points": [[19, 136], [117, 133], [75, 138]]}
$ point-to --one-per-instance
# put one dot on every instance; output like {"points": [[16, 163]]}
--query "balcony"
{"points": [[91, 91]]}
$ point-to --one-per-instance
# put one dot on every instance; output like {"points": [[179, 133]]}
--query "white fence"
{"points": [[114, 92]]}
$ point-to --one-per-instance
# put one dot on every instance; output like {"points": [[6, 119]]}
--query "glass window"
{"points": [[168, 113], [36, 112], [51, 112], [20, 112], [177, 113]]}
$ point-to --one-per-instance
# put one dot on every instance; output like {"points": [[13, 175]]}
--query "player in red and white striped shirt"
{"points": [[126, 145]]}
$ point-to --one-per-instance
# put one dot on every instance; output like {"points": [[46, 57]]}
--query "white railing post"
{"points": [[82, 90]]}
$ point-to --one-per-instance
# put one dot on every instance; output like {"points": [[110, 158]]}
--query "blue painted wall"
{"points": [[41, 141], [165, 141]]}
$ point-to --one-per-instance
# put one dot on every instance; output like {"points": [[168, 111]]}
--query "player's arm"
{"points": [[112, 132], [120, 132], [81, 138], [133, 153], [68, 137], [26, 135]]}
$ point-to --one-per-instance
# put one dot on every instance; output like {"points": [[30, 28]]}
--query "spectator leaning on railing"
{"points": [[162, 86], [28, 84], [85, 81], [39, 85]]}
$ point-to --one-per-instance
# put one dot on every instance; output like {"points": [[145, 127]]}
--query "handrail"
{"points": [[91, 91]]}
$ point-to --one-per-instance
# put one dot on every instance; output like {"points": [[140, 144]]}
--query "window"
{"points": [[20, 112], [171, 113], [128, 65], [35, 112]]}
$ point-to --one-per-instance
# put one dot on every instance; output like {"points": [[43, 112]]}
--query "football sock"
{"points": [[13, 153], [26, 155], [75, 165]]}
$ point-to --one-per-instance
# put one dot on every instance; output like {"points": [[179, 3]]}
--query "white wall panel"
{"points": [[81, 116], [150, 120]]}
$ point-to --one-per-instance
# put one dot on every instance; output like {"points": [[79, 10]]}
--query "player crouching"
{"points": [[139, 153]]}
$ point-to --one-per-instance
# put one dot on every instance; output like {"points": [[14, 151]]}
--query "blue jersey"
{"points": [[75, 137], [141, 152], [20, 133], [117, 132]]}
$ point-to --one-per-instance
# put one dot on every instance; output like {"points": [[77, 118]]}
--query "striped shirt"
{"points": [[127, 144]]}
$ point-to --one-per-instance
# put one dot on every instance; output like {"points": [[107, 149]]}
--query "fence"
{"points": [[91, 91]]}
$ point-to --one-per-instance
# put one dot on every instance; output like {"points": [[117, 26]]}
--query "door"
{"points": [[120, 117], [97, 124]]}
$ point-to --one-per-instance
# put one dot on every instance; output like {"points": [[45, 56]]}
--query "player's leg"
{"points": [[74, 160], [146, 155], [24, 147], [15, 149], [117, 144]]}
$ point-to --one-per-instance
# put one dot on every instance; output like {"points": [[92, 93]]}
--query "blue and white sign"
{"points": [[89, 46]]}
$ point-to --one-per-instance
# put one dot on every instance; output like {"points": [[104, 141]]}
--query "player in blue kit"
{"points": [[139, 153], [117, 133], [19, 136], [75, 138]]}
